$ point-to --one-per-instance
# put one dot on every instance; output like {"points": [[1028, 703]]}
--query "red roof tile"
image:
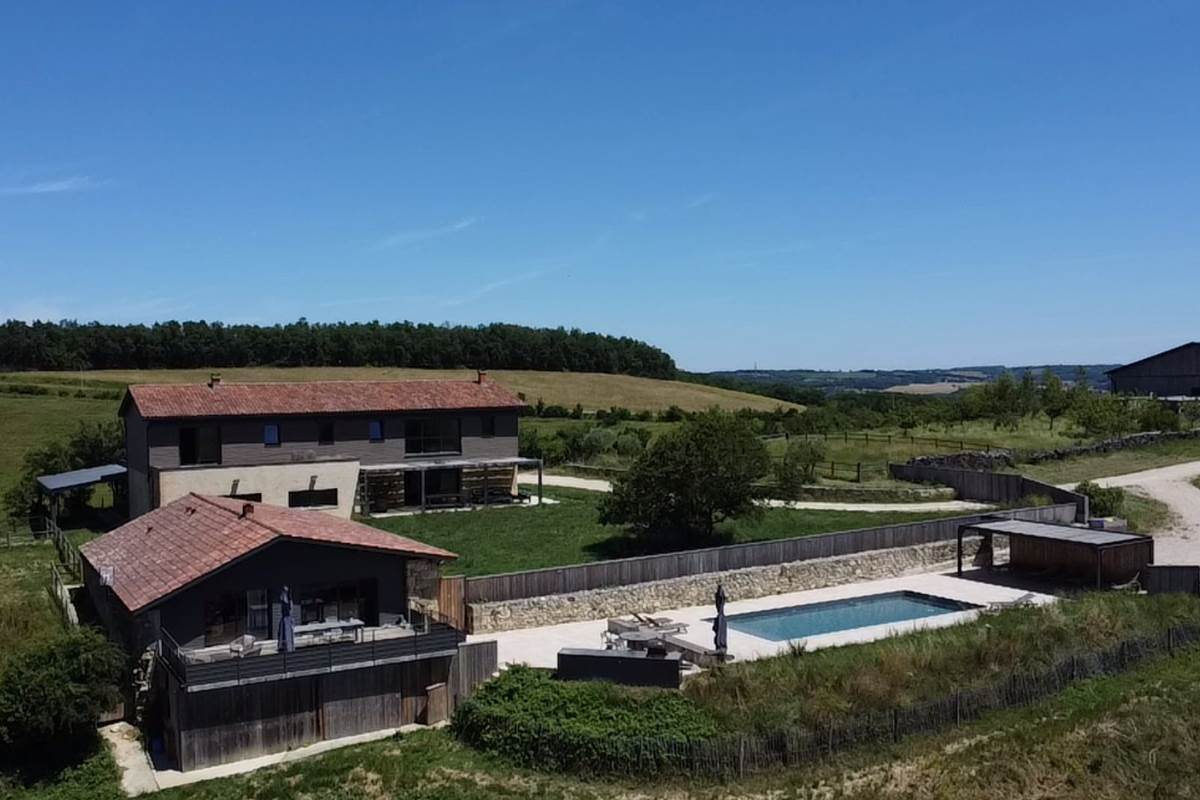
{"points": [[165, 401], [171, 547]]}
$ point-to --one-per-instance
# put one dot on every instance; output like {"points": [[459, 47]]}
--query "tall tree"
{"points": [[1056, 401]]}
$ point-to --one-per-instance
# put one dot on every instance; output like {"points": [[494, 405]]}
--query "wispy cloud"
{"points": [[74, 183], [701, 200], [411, 237], [488, 288]]}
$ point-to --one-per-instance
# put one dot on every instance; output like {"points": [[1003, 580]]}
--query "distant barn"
{"points": [[1171, 373]]}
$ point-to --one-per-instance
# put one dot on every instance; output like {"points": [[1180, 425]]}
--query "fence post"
{"points": [[859, 472], [741, 756], [958, 708], [1171, 641], [895, 724]]}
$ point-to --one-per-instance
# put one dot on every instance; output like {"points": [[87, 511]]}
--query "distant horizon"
{"points": [[813, 183]]}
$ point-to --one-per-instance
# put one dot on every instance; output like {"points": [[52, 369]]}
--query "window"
{"points": [[258, 614], [433, 435], [253, 497], [224, 618], [199, 444], [334, 602], [375, 430], [271, 434], [325, 432], [488, 426], [311, 498]]}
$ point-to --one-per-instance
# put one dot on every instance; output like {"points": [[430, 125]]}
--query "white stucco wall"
{"points": [[273, 481]]}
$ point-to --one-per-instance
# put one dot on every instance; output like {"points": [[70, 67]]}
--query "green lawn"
{"points": [[1120, 462], [495, 540], [26, 610], [1145, 514], [30, 420]]}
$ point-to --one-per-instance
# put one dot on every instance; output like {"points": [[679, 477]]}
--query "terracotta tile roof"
{"points": [[165, 401], [171, 547]]}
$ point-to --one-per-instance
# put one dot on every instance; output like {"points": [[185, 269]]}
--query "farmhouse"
{"points": [[1171, 373], [268, 628], [335, 446]]}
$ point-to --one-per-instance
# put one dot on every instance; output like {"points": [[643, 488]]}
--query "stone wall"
{"points": [[991, 460], [695, 590]]}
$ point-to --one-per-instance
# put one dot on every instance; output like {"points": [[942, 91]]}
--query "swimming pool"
{"points": [[799, 622]]}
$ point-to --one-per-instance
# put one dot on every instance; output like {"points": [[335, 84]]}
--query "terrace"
{"points": [[319, 648]]}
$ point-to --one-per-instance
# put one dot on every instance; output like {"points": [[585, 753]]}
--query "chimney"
{"points": [[214, 380], [482, 377], [247, 510]]}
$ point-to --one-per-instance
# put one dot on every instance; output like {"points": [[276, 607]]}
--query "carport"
{"points": [[1107, 557], [55, 485]]}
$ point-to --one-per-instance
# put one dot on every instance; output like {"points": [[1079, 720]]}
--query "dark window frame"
{"points": [[432, 436], [197, 445], [326, 426], [487, 426], [250, 497], [382, 432], [313, 498], [278, 434]]}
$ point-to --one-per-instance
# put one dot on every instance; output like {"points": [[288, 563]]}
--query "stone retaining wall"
{"points": [[991, 460], [696, 590]]}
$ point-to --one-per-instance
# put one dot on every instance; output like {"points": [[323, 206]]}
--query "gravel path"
{"points": [[1172, 485], [599, 485]]}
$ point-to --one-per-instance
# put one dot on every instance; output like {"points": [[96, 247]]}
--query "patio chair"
{"points": [[245, 645]]}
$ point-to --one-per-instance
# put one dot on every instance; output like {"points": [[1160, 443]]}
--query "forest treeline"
{"points": [[180, 345]]}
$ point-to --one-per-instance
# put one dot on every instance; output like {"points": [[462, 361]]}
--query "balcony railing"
{"points": [[375, 646]]}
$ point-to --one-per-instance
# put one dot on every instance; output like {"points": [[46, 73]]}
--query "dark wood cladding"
{"points": [[242, 438], [995, 487], [644, 569], [1117, 563], [1175, 372], [215, 727]]}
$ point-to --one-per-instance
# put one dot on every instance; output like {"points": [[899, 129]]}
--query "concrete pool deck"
{"points": [[538, 647]]}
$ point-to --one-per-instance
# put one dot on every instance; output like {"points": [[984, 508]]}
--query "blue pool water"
{"points": [[798, 622]]}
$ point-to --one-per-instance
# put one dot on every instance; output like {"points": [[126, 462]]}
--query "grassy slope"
{"points": [[507, 540], [1120, 462], [593, 390], [28, 421]]}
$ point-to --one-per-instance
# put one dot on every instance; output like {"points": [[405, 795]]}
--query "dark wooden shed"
{"points": [[1106, 557]]}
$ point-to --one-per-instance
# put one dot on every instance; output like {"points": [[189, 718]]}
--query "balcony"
{"points": [[205, 668]]}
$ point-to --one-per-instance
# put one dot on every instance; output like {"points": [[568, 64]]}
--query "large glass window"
{"points": [[333, 602], [224, 618], [199, 444], [258, 614], [432, 435]]}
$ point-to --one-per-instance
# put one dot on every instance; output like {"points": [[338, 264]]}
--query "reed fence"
{"points": [[737, 755]]}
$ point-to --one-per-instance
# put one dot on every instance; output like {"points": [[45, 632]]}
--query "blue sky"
{"points": [[836, 185]]}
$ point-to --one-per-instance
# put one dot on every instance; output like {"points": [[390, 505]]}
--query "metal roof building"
{"points": [[1107, 557], [1171, 373]]}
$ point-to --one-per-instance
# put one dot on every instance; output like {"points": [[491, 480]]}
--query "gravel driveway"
{"points": [[1172, 485]]}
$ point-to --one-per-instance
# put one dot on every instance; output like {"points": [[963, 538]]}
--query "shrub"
{"points": [[1102, 501], [597, 441], [628, 445], [535, 720], [671, 414], [798, 465], [52, 692], [1155, 416]]}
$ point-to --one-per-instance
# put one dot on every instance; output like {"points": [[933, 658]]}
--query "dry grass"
{"points": [[593, 390]]}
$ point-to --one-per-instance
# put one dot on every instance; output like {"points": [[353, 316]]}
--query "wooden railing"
{"points": [[437, 638]]}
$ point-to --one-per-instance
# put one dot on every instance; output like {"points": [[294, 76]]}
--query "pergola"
{"points": [[55, 485], [425, 465], [1107, 556]]}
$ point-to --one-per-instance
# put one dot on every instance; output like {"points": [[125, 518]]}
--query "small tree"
{"points": [[798, 466], [1102, 501], [51, 693], [1028, 400], [691, 478], [1055, 400]]}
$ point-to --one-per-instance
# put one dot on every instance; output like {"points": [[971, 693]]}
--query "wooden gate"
{"points": [[452, 600]]}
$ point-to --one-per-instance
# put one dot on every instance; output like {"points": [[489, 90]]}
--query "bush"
{"points": [[672, 414], [1155, 416], [628, 445], [1103, 502], [589, 726], [597, 441], [798, 465], [52, 693]]}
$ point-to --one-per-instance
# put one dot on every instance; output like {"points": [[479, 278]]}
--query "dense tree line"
{"points": [[165, 345]]}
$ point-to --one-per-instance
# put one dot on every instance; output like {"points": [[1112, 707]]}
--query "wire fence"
{"points": [[736, 755], [25, 530]]}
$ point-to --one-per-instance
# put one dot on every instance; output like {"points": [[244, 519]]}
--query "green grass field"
{"points": [[1120, 462], [30, 420], [496, 540]]}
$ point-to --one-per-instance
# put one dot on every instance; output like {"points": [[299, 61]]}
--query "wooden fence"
{"points": [[25, 530], [992, 487], [644, 569], [62, 598], [736, 755], [937, 442], [450, 598], [1170, 578]]}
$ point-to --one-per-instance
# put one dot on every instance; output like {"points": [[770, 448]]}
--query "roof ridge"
{"points": [[225, 383], [250, 517]]}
